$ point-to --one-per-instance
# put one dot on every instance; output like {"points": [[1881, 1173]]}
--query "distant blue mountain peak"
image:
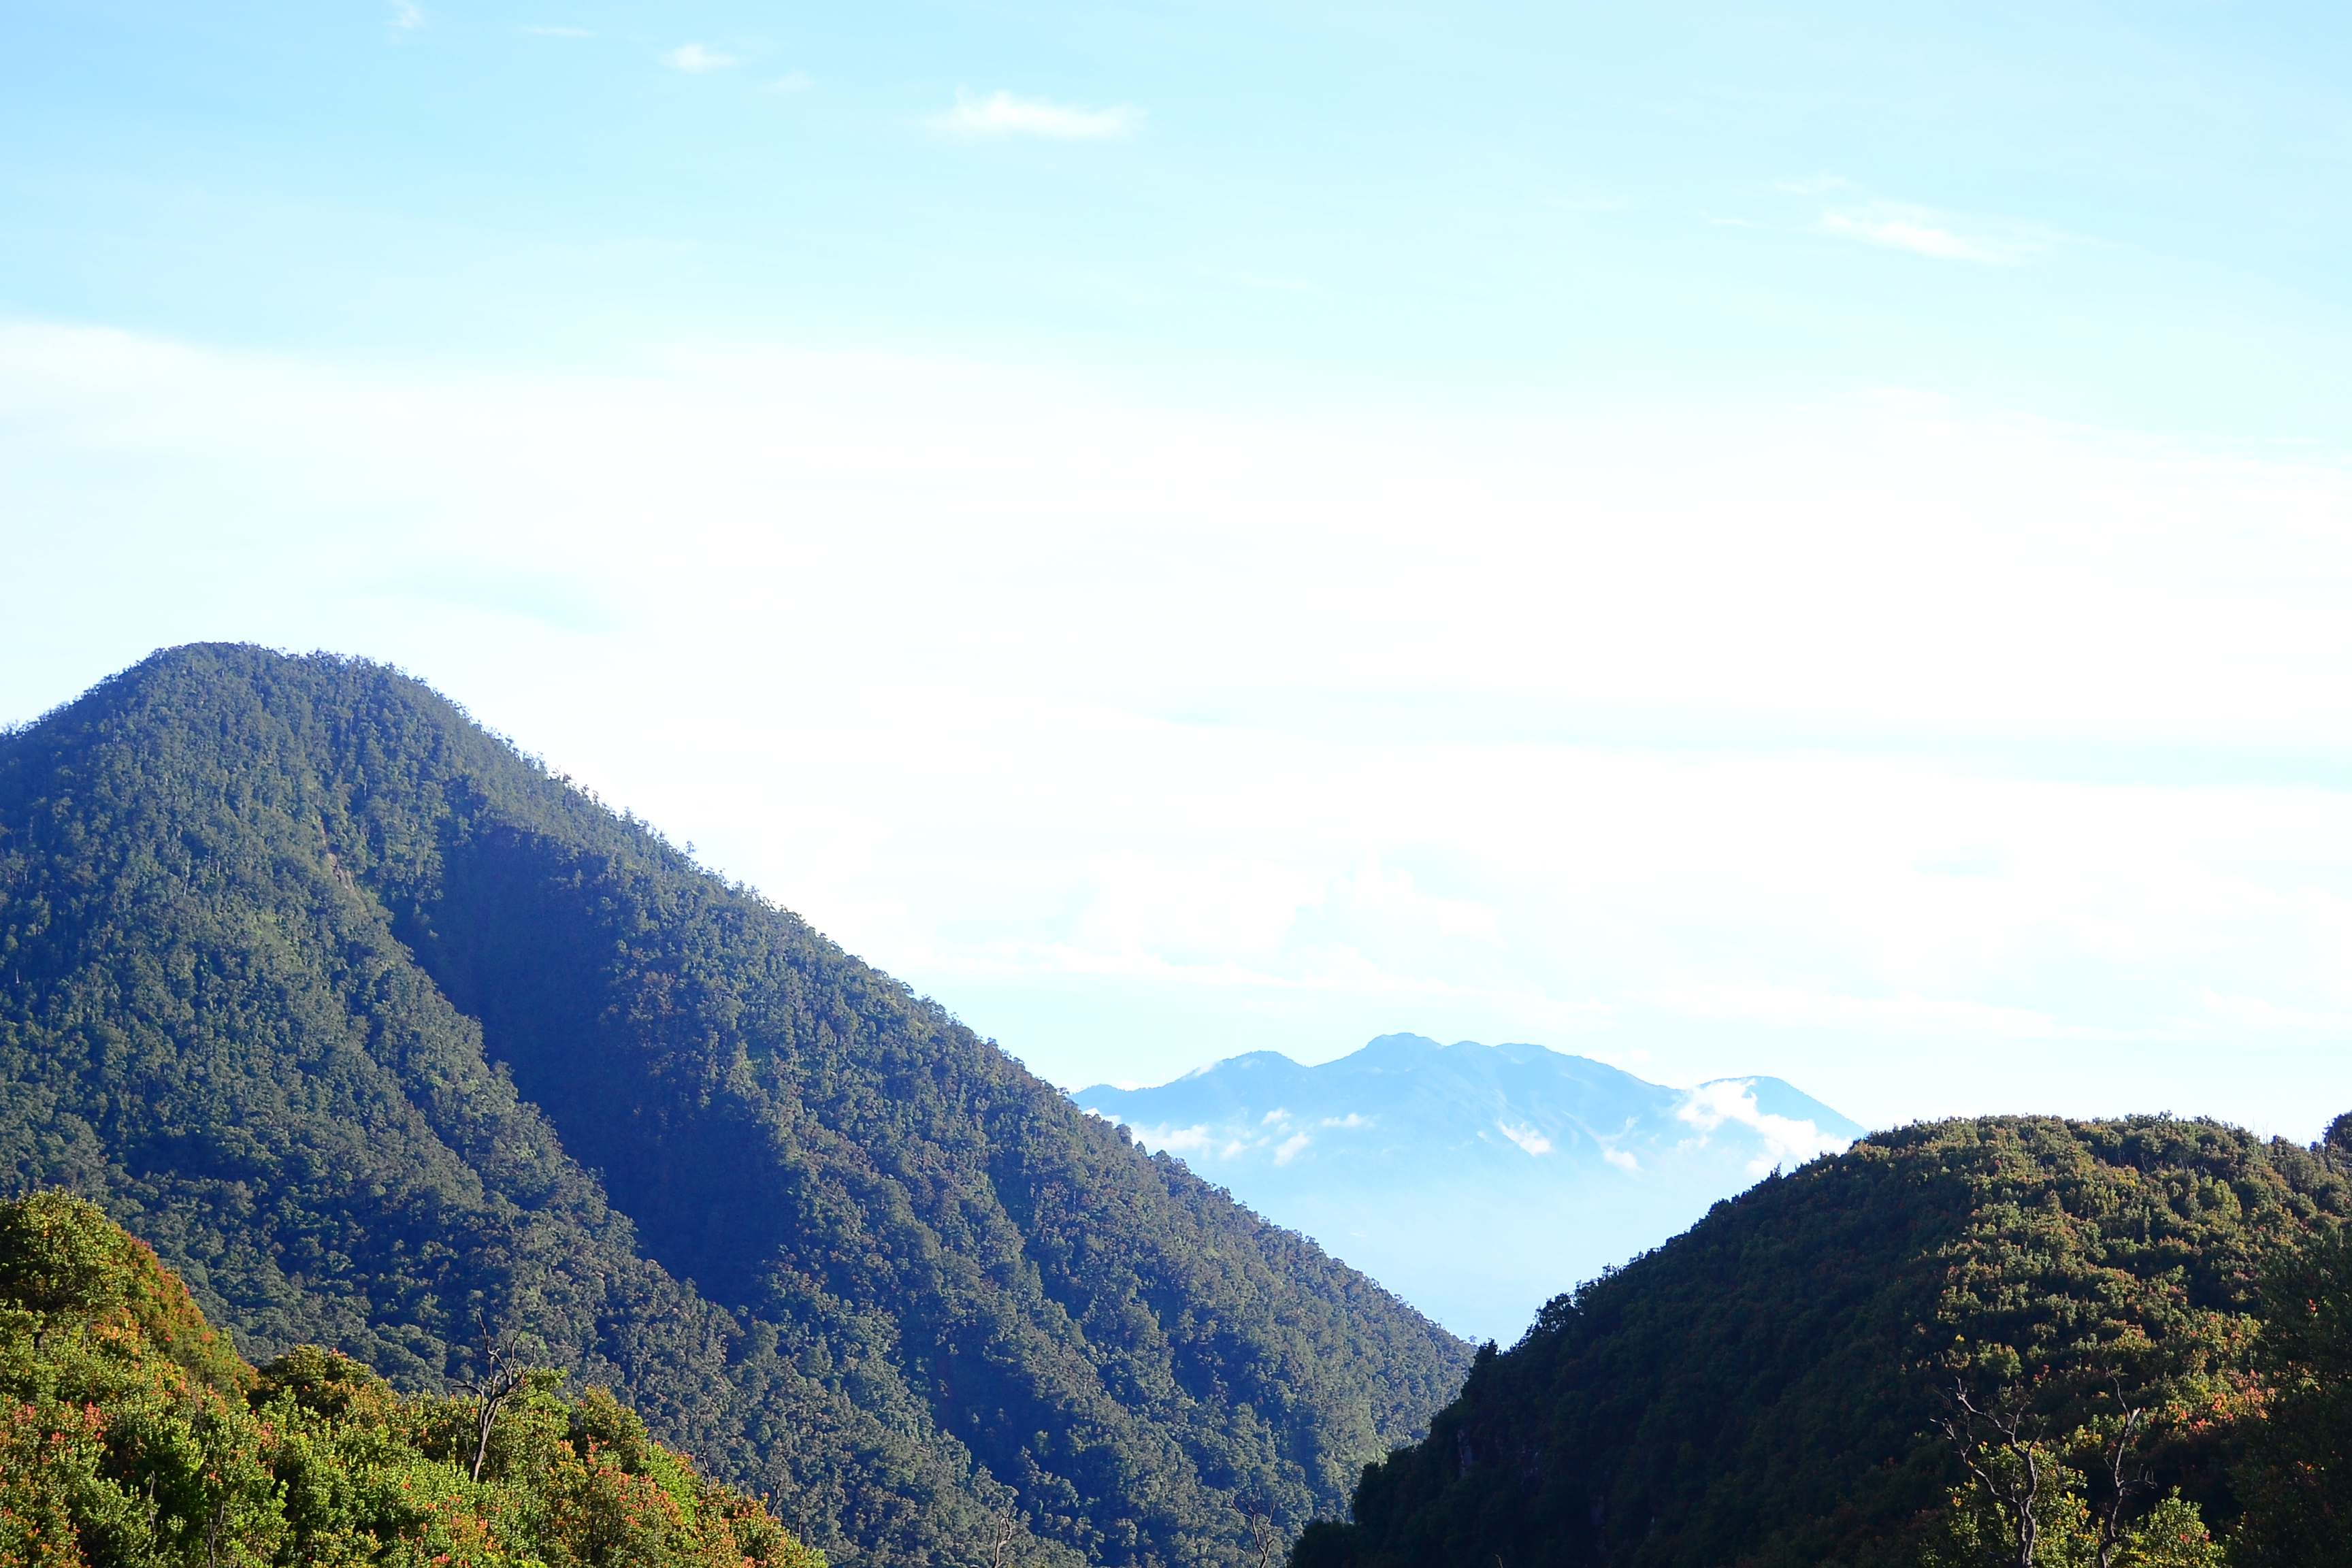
{"points": [[1475, 1180]]}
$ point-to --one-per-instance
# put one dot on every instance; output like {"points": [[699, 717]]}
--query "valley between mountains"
{"points": [[411, 1062]]}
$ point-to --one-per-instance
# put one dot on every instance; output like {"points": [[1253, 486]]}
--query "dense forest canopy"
{"points": [[377, 1032], [2010, 1341]]}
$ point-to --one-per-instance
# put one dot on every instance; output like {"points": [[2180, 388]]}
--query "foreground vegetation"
{"points": [[2013, 1340], [132, 1436]]}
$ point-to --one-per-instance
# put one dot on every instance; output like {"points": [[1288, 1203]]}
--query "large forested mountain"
{"points": [[380, 1035], [1808, 1376]]}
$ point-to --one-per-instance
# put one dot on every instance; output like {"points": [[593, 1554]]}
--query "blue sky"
{"points": [[1735, 538], [2125, 213]]}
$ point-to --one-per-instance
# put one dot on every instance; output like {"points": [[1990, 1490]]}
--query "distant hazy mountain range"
{"points": [[1476, 1180]]}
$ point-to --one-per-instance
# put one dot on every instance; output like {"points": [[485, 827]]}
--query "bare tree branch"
{"points": [[1264, 1537], [1007, 1528], [498, 1382], [2008, 1427], [2124, 1474]]}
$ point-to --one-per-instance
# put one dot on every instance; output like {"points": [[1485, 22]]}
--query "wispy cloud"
{"points": [[407, 15], [1851, 213], [1527, 1137], [695, 58], [1004, 114], [1923, 237], [791, 82], [547, 30], [1175, 1139]]}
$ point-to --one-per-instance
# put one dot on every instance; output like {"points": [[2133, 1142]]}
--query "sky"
{"points": [[1811, 540]]}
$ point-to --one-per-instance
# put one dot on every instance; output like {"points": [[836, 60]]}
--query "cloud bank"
{"points": [[1938, 761]]}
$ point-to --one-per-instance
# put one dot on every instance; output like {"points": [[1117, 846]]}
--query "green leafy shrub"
{"points": [[134, 1440]]}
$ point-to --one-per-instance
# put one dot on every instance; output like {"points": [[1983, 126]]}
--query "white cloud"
{"points": [[1918, 230], [1004, 114], [1527, 1137], [1621, 1158], [1786, 1141], [791, 82], [695, 60], [1353, 1119], [1271, 1117], [1173, 1140], [1919, 237], [1289, 1147], [407, 15]]}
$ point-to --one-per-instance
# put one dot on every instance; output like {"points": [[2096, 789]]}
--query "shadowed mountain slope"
{"points": [[368, 1025], [1475, 1180]]}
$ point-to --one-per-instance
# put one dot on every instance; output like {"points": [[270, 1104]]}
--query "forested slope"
{"points": [[1806, 1376], [368, 1025]]}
